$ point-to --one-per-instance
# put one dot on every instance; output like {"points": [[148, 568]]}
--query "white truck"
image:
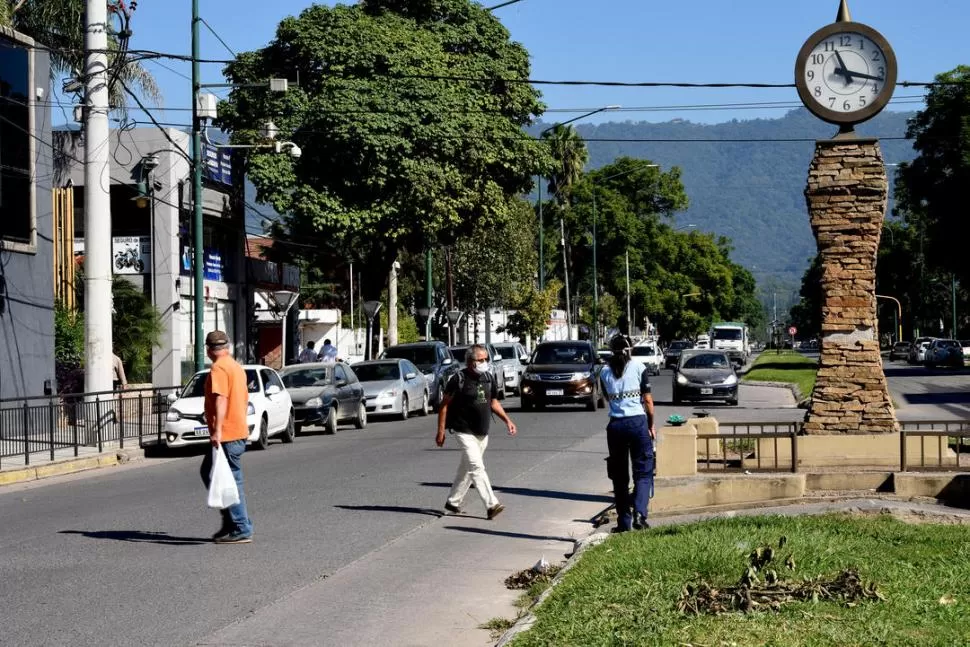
{"points": [[732, 337]]}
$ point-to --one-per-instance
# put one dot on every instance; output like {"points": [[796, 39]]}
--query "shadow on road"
{"points": [[954, 397], [139, 536], [545, 494], [513, 535], [431, 512]]}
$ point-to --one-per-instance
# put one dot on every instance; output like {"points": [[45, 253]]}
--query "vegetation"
{"points": [[68, 349], [789, 367], [136, 329], [626, 591]]}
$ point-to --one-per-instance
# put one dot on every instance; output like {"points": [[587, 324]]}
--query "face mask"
{"points": [[481, 367]]}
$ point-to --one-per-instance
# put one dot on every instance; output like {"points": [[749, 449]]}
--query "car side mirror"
{"points": [[171, 398], [272, 389], [410, 376], [447, 361], [341, 382], [497, 358]]}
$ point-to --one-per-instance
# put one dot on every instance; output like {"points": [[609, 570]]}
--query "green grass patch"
{"points": [[784, 367], [626, 590]]}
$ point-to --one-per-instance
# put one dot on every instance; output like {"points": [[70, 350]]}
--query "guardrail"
{"points": [[46, 424], [744, 451], [952, 438]]}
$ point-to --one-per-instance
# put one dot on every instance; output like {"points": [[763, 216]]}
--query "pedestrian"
{"points": [[328, 353], [630, 434], [308, 355], [226, 400], [119, 381], [471, 396]]}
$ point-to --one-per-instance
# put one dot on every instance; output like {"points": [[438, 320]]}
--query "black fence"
{"points": [[749, 447], [40, 426]]}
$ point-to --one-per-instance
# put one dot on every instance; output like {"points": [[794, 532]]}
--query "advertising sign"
{"points": [[212, 267], [218, 165], [130, 254]]}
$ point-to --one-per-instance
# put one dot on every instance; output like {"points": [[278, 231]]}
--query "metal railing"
{"points": [[45, 424], [750, 447], [950, 436]]}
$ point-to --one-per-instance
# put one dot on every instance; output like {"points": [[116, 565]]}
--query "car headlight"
{"points": [[387, 393], [731, 379], [173, 415], [584, 375], [250, 409], [681, 379], [314, 402]]}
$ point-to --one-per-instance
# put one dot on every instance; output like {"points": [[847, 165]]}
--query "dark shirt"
{"points": [[470, 408]]}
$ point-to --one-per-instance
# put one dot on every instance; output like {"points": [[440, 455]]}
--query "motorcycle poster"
{"points": [[130, 254]]}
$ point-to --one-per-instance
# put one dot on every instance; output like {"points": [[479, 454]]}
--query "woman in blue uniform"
{"points": [[630, 434]]}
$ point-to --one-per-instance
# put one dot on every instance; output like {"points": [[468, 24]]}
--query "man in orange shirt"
{"points": [[226, 401]]}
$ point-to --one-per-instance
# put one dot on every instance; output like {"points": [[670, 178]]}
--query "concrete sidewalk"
{"points": [[437, 584]]}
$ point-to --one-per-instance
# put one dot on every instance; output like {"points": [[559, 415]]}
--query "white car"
{"points": [[703, 342], [650, 356], [514, 355], [270, 411]]}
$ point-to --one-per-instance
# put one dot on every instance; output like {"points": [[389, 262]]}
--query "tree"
{"points": [[395, 158], [569, 157], [533, 307], [136, 329]]}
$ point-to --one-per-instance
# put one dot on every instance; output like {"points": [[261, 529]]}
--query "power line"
{"points": [[173, 71]]}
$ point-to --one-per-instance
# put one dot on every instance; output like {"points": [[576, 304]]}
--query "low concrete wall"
{"points": [[677, 451], [846, 481], [684, 493], [952, 488], [870, 450]]}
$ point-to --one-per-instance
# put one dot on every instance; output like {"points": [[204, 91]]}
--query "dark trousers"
{"points": [[629, 442]]}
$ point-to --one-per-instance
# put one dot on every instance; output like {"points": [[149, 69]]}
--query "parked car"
{"points": [[965, 344], [325, 394], [393, 387], [650, 356], [496, 364], [562, 372], [433, 359], [900, 350], [672, 354], [705, 375], [515, 357], [917, 352], [269, 413], [944, 352]]}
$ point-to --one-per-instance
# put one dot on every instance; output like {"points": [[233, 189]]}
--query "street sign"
{"points": [[792, 330]]}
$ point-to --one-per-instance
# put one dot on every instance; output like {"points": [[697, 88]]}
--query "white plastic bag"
{"points": [[222, 486]]}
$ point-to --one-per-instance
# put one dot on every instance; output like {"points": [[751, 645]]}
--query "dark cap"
{"points": [[216, 338]]}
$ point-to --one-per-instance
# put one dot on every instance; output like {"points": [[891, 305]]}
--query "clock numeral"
{"points": [[818, 59], [862, 101], [875, 89], [831, 102], [818, 90], [876, 57], [846, 106], [862, 44], [845, 41], [882, 72], [829, 46], [811, 75]]}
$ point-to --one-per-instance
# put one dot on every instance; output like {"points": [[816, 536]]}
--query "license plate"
{"points": [[707, 391], [555, 392], [201, 431]]}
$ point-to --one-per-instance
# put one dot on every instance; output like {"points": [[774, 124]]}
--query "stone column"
{"points": [[846, 195]]}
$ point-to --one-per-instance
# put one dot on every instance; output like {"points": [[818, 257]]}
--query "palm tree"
{"points": [[59, 25], [569, 156]]}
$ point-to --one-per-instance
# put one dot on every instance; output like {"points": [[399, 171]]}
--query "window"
{"points": [[16, 186], [339, 374]]}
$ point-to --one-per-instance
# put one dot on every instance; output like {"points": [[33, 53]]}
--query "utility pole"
{"points": [[97, 204], [542, 265], [565, 273], [452, 331], [428, 289], [629, 319], [392, 305], [596, 298], [198, 254]]}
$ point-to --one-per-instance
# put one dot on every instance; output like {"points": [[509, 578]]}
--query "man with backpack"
{"points": [[471, 396]]}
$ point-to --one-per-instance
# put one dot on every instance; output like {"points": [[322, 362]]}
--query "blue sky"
{"points": [[625, 40]]}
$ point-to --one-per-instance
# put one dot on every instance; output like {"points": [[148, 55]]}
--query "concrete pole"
{"points": [[565, 273], [392, 305], [198, 249], [629, 317], [97, 205]]}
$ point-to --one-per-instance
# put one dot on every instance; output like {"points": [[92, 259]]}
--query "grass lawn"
{"points": [[625, 591], [784, 367]]}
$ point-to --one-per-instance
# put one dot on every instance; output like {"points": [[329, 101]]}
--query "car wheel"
{"points": [[330, 426], [591, 403], [290, 432], [733, 403], [404, 406], [425, 404], [263, 441], [297, 429], [361, 420]]}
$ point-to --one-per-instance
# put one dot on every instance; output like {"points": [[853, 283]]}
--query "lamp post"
{"points": [[542, 269], [898, 315], [284, 301]]}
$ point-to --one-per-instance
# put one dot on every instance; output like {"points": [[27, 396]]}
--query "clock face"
{"points": [[846, 73]]}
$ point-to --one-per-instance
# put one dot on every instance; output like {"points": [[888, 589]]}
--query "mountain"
{"points": [[750, 191]]}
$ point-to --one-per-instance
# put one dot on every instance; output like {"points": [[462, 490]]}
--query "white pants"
{"points": [[471, 469]]}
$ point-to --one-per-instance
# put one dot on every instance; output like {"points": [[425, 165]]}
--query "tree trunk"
{"points": [[392, 304]]}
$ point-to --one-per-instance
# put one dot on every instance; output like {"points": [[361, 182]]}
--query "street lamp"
{"points": [[898, 315], [542, 269]]}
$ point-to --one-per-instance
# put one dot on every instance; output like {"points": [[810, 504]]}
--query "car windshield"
{"points": [[303, 377], [679, 345], [731, 334], [565, 354], [706, 360], [420, 356], [642, 350], [459, 353], [196, 386], [507, 352], [378, 372], [949, 343], [902, 344]]}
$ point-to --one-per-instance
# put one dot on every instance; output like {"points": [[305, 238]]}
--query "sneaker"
{"points": [[235, 538], [453, 509], [640, 522], [495, 511], [222, 533]]}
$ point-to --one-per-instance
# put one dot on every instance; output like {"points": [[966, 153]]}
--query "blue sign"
{"points": [[218, 164], [212, 266]]}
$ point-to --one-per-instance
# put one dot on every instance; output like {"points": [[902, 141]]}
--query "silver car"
{"points": [[393, 387], [515, 356], [497, 365]]}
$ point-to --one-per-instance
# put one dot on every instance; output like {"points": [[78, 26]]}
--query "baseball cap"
{"points": [[216, 338]]}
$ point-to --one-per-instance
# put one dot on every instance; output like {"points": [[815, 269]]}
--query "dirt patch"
{"points": [[916, 516]]}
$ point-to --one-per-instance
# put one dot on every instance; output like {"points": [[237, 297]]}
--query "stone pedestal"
{"points": [[846, 195]]}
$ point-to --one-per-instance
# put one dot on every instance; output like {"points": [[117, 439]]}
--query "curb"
{"points": [[70, 466], [795, 391]]}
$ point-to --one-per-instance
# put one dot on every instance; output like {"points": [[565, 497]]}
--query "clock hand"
{"points": [[866, 76], [844, 71]]}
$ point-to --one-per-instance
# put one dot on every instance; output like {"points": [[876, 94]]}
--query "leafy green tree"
{"points": [[394, 158], [68, 349], [569, 157], [533, 307], [136, 329]]}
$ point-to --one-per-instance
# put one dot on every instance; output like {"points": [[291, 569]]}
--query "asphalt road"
{"points": [[122, 557]]}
